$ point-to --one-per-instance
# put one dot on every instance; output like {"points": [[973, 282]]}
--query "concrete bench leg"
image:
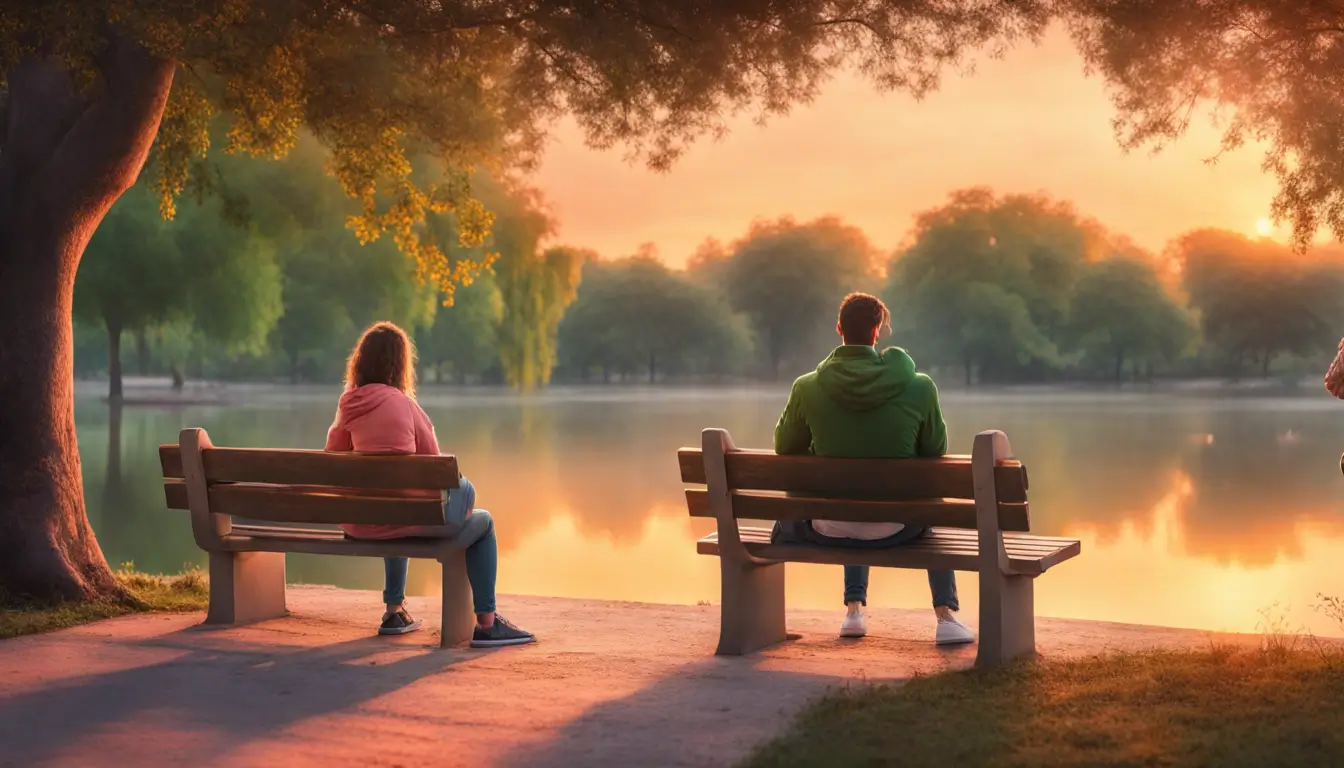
{"points": [[1007, 619], [246, 586], [459, 616], [753, 607]]}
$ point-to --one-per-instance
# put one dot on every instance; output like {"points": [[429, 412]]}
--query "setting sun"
{"points": [[1264, 227]]}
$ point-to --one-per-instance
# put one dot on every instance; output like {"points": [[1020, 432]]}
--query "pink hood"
{"points": [[376, 418]]}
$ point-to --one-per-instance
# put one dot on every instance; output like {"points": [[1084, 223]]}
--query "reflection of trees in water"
{"points": [[1087, 462], [1253, 489], [128, 511]]}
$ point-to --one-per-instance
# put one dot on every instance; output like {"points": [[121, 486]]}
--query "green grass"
{"points": [[1282, 704], [188, 591]]}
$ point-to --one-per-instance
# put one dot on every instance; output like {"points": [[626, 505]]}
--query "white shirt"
{"points": [[836, 529]]}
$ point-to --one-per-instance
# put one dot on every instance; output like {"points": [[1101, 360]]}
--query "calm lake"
{"points": [[1194, 510]]}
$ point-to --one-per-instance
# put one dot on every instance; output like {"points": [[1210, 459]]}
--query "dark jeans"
{"points": [[474, 530], [943, 584]]}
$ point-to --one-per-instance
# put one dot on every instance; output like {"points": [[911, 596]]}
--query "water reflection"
{"points": [[1193, 512]]}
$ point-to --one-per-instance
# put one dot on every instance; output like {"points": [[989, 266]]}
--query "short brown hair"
{"points": [[384, 354], [862, 317]]}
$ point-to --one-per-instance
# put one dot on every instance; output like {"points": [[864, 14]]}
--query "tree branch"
{"points": [[102, 153]]}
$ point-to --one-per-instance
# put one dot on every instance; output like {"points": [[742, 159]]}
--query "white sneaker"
{"points": [[854, 625], [953, 632]]}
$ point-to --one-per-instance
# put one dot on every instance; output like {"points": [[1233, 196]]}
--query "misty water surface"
{"points": [[1195, 511]]}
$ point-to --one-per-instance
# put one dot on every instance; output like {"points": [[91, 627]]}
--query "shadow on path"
{"points": [[213, 685]]}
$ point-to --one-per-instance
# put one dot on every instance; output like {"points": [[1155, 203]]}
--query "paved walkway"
{"points": [[609, 684]]}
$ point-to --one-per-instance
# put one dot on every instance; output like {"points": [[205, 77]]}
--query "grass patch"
{"points": [[187, 591], [1221, 706]]}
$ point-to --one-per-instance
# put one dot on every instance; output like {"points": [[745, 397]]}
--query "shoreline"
{"points": [[608, 684]]}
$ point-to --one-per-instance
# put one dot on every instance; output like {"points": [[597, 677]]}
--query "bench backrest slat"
{"points": [[761, 485], [294, 486], [886, 479], [294, 467], [948, 513]]}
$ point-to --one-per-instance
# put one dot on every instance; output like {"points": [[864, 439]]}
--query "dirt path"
{"points": [[609, 684]]}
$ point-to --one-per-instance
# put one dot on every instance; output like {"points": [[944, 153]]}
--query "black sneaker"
{"points": [[398, 623], [501, 633]]}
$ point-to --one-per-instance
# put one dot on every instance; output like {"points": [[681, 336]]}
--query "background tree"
{"points": [[989, 281], [130, 279], [135, 278], [1257, 300], [1122, 314], [463, 336], [635, 314], [788, 279], [536, 282]]}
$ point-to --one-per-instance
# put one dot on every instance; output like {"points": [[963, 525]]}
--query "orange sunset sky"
{"points": [[1029, 122]]}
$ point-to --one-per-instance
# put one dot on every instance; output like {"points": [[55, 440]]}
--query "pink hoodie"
{"points": [[376, 418]]}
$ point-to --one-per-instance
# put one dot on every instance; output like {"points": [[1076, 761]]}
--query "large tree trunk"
{"points": [[1119, 367], [67, 155], [113, 361]]}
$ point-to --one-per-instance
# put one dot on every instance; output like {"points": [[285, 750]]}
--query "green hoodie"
{"points": [[862, 405]]}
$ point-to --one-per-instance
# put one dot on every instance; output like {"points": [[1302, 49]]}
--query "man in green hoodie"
{"points": [[862, 404]]}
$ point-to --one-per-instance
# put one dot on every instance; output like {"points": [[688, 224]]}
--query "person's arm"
{"points": [[932, 439], [792, 435], [426, 442], [338, 437]]}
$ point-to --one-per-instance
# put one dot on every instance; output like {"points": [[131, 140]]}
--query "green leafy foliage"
{"points": [[1257, 300], [788, 279], [635, 314], [1121, 313], [987, 282], [462, 338], [212, 279]]}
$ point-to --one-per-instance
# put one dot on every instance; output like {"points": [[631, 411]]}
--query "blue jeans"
{"points": [[943, 584], [475, 533]]}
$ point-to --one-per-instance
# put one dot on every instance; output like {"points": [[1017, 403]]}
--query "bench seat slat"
{"points": [[771, 505], [898, 479], [298, 504], [264, 538], [942, 549], [950, 539]]}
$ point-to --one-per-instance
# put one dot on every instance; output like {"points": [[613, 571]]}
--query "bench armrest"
{"points": [[715, 443]]}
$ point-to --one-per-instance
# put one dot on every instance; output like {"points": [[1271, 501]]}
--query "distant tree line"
{"points": [[260, 281]]}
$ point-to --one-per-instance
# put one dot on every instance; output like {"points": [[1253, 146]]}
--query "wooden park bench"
{"points": [[977, 505], [265, 487]]}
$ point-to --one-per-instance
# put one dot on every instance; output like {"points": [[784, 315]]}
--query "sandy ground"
{"points": [[609, 684]]}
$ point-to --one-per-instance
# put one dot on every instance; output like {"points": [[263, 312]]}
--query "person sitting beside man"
{"points": [[863, 404]]}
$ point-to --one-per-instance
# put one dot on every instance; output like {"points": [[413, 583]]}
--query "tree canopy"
{"points": [[788, 278], [472, 84], [988, 281], [1257, 300], [1122, 314], [1272, 72], [636, 315], [210, 276]]}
